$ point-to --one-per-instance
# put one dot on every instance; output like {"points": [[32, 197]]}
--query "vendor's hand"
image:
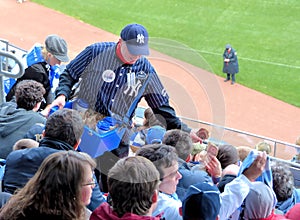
{"points": [[194, 137], [60, 101], [46, 111], [213, 166], [257, 167]]}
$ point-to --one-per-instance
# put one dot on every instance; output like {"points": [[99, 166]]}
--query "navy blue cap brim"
{"points": [[138, 50]]}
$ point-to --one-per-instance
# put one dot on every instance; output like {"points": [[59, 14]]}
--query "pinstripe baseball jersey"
{"points": [[110, 85]]}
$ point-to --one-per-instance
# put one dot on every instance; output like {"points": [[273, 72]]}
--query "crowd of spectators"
{"points": [[171, 173]]}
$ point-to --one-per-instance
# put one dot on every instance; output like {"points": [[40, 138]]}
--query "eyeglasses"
{"points": [[93, 183]]}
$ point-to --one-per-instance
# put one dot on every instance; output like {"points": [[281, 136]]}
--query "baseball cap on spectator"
{"points": [[136, 38], [259, 203], [228, 46], [58, 47], [202, 201], [155, 134], [227, 155], [294, 212], [35, 132]]}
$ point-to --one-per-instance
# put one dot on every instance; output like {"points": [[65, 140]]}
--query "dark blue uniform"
{"points": [[232, 67]]}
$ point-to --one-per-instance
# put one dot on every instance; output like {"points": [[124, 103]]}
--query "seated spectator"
{"points": [[263, 146], [42, 68], [151, 132], [165, 160], [236, 191], [294, 213], [133, 189], [191, 173], [228, 174], [16, 120], [227, 155], [283, 186], [60, 189], [260, 203], [231, 199], [202, 201], [62, 133], [243, 152], [25, 143]]}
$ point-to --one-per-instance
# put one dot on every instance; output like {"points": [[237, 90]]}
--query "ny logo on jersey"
{"points": [[132, 90], [140, 39]]}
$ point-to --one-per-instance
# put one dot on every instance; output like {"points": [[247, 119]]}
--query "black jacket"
{"points": [[38, 72], [21, 165]]}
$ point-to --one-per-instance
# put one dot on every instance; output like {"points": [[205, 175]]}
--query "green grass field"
{"points": [[266, 34]]}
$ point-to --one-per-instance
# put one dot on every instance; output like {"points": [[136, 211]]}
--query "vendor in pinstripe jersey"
{"points": [[110, 74]]}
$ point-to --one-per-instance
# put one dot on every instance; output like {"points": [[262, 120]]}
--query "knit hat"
{"points": [[136, 38], [259, 202], [202, 201], [57, 47], [227, 155]]}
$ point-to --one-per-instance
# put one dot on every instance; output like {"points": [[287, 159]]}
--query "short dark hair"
{"points": [[180, 140], [65, 125], [163, 156], [28, 93], [283, 181], [132, 181], [151, 119]]}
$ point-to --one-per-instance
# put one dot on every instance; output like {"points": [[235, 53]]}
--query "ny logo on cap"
{"points": [[140, 39]]}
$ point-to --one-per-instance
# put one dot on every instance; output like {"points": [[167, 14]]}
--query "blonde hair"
{"points": [[44, 52], [263, 146], [243, 152], [25, 143]]}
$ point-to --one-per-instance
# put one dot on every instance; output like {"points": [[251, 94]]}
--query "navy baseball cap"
{"points": [[202, 201], [155, 134], [136, 38], [228, 46]]}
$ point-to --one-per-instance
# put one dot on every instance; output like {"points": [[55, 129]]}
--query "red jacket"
{"points": [[274, 216], [104, 212]]}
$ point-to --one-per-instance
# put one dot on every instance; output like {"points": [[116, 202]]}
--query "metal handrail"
{"points": [[276, 142], [6, 73]]}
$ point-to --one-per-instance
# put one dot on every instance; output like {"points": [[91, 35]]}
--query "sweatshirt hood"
{"points": [[105, 212], [12, 118]]}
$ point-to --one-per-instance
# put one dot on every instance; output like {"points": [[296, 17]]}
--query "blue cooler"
{"points": [[96, 144]]}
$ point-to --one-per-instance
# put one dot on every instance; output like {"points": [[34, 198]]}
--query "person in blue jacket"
{"points": [[231, 65]]}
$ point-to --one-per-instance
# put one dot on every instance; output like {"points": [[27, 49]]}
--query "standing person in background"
{"points": [[60, 189], [231, 65], [41, 64]]}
